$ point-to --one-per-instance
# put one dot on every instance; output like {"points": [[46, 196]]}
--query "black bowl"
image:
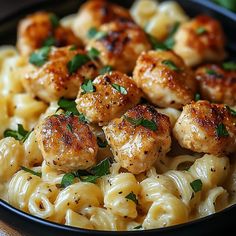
{"points": [[217, 223]]}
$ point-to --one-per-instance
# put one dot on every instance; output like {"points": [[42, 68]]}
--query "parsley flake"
{"points": [[171, 65], [232, 112], [211, 72], [54, 20], [88, 87], [20, 134], [149, 124], [138, 227], [69, 127], [197, 97], [93, 33], [120, 89], [68, 105], [39, 174], [93, 53], [156, 45], [40, 57], [76, 62], [67, 180], [131, 196], [73, 47], [50, 41], [170, 42], [196, 185], [229, 65], [221, 130], [105, 70], [200, 30]]}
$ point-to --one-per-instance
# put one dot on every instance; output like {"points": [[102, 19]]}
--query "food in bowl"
{"points": [[116, 119]]}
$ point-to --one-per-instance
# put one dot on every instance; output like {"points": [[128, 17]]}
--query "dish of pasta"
{"points": [[118, 119]]}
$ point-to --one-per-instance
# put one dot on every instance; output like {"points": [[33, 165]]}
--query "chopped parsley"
{"points": [[69, 127], [76, 62], [197, 97], [20, 134], [105, 70], [229, 65], [93, 33], [211, 72], [143, 122], [50, 41], [156, 45], [171, 65], [221, 130], [200, 30], [40, 57], [131, 196], [103, 168], [93, 53], [196, 185], [54, 20], [88, 87], [39, 174], [101, 143], [120, 89], [73, 47], [138, 227], [68, 105], [232, 112]]}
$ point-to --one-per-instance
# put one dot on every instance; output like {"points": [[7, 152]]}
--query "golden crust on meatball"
{"points": [[35, 29], [216, 84], [122, 43], [53, 80], [114, 93], [66, 143], [137, 147], [206, 127], [164, 78], [200, 40]]}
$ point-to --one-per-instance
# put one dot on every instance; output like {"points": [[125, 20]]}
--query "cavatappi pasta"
{"points": [[114, 122]]}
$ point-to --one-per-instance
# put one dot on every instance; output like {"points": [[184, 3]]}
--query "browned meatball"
{"points": [[93, 14], [139, 138], [216, 84], [66, 143], [164, 78], [35, 29], [199, 40], [52, 80], [206, 127], [114, 93], [121, 44]]}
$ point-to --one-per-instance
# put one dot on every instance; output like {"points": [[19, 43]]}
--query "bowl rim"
{"points": [[24, 215]]}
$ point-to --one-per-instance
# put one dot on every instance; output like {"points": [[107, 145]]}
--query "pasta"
{"points": [[85, 145]]}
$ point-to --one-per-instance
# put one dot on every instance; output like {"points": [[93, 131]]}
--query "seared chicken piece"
{"points": [[121, 44], [36, 29], [216, 84], [164, 78], [206, 127], [199, 40], [53, 80], [139, 138], [95, 13], [114, 93], [66, 143]]}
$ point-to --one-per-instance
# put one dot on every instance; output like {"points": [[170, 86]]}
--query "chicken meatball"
{"points": [[164, 78], [206, 127], [42, 28], [216, 84], [139, 138], [53, 79], [200, 40], [95, 13], [113, 94], [121, 43], [66, 143]]}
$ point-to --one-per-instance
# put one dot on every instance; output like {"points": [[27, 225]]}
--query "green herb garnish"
{"points": [[69, 127], [20, 134], [93, 53], [93, 33], [131, 196], [54, 20], [200, 30], [101, 143], [156, 45], [170, 42], [120, 89], [196, 185], [88, 87], [232, 112], [221, 130], [171, 65], [73, 47], [138, 227], [50, 41], [40, 57], [211, 72], [105, 70], [143, 122], [229, 65], [39, 174], [197, 97], [68, 105], [67, 180], [76, 62]]}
